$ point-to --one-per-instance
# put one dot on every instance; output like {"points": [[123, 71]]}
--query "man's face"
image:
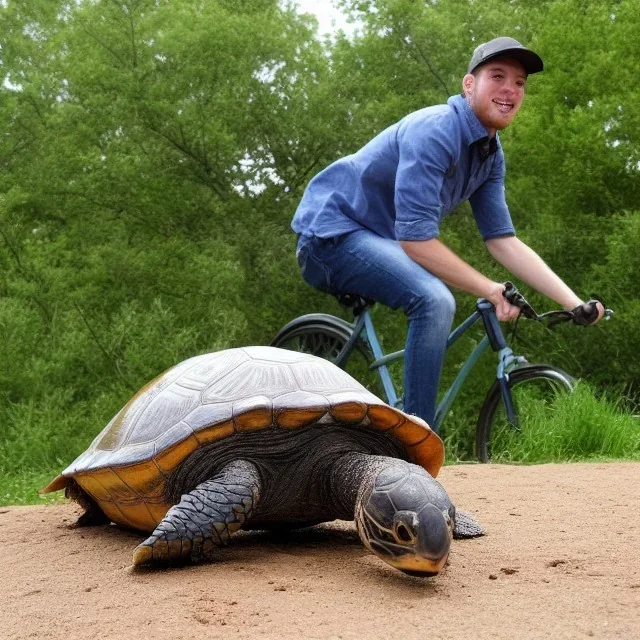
{"points": [[496, 92]]}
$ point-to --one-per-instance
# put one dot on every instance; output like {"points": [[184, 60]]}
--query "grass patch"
{"points": [[22, 488], [571, 427], [39, 440]]}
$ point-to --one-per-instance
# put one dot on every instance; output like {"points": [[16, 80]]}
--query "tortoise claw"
{"points": [[160, 551], [142, 555]]}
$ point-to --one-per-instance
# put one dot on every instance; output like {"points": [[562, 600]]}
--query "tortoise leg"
{"points": [[466, 526], [93, 515], [204, 518]]}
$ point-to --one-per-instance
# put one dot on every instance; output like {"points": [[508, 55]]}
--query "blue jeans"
{"points": [[363, 263]]}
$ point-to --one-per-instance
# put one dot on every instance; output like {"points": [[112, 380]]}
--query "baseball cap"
{"points": [[504, 47]]}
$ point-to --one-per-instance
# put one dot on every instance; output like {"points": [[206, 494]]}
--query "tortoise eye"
{"points": [[403, 534], [405, 527]]}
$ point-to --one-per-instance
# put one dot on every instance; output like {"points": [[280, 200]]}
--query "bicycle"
{"points": [[341, 342]]}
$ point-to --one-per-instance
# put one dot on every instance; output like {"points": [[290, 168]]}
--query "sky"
{"points": [[326, 13]]}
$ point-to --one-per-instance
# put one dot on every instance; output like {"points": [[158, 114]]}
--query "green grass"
{"points": [[19, 489], [38, 440], [578, 426]]}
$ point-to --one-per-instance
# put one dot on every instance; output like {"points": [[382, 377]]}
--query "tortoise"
{"points": [[265, 438]]}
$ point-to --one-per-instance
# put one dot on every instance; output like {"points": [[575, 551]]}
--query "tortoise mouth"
{"points": [[418, 566], [408, 559], [419, 574]]}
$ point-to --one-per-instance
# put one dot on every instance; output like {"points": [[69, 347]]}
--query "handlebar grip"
{"points": [[515, 298], [586, 313]]}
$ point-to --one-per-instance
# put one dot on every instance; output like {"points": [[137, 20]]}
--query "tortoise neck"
{"points": [[351, 475]]}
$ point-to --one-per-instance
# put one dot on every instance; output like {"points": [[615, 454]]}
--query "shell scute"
{"points": [[410, 433], [248, 378], [383, 417], [138, 516], [116, 434], [177, 433], [168, 459], [158, 510], [310, 377], [253, 413], [145, 479], [349, 412], [296, 418], [215, 432], [429, 454], [206, 367], [207, 414], [90, 482]]}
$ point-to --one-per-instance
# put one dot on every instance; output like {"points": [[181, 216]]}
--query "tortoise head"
{"points": [[406, 518]]}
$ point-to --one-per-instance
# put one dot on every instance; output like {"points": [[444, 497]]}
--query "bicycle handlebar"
{"points": [[551, 318]]}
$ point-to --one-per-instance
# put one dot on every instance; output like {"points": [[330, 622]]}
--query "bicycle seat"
{"points": [[354, 302]]}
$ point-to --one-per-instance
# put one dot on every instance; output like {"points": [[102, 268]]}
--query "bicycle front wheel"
{"points": [[324, 335], [535, 390]]}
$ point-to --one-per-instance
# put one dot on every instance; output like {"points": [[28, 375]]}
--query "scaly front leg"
{"points": [[204, 518]]}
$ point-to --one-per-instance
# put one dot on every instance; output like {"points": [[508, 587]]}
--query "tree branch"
{"points": [[102, 348], [422, 55]]}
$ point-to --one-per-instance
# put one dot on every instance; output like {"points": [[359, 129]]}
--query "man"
{"points": [[368, 223]]}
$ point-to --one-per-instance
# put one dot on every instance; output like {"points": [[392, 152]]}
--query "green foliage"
{"points": [[153, 152]]}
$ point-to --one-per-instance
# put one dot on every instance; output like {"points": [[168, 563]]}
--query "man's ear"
{"points": [[468, 83]]}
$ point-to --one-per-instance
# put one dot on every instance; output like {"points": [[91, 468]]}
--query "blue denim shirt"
{"points": [[401, 183]]}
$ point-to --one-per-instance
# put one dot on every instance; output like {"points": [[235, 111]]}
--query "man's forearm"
{"points": [[439, 260], [524, 263]]}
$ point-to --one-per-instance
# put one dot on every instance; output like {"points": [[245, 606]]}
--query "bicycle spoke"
{"points": [[318, 344]]}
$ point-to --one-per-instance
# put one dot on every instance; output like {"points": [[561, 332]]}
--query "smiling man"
{"points": [[368, 224]]}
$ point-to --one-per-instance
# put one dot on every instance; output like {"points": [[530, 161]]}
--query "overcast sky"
{"points": [[326, 14]]}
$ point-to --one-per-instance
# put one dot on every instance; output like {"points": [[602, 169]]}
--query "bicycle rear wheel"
{"points": [[535, 390], [324, 335]]}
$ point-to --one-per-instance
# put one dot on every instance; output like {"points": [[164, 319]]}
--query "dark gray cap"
{"points": [[505, 48]]}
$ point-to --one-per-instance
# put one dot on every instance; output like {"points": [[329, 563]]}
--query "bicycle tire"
{"points": [[324, 335], [492, 423]]}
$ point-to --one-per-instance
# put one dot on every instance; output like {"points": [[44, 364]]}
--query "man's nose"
{"points": [[512, 89]]}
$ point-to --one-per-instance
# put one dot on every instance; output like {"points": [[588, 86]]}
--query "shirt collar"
{"points": [[472, 128], [486, 147]]}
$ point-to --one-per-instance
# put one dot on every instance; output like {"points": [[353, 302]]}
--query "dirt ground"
{"points": [[561, 559]]}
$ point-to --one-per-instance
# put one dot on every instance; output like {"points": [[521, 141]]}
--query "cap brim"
{"points": [[531, 61]]}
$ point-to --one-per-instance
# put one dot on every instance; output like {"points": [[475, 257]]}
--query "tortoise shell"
{"points": [[212, 396]]}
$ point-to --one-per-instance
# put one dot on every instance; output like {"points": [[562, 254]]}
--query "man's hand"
{"points": [[588, 313], [505, 311]]}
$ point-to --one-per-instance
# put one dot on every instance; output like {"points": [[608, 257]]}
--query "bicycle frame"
{"points": [[494, 338]]}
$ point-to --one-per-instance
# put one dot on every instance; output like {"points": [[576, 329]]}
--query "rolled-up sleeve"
{"points": [[425, 156], [489, 205]]}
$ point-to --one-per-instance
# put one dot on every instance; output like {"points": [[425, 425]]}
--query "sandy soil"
{"points": [[561, 559]]}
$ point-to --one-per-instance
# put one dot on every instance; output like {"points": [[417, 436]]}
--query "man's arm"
{"points": [[524, 263], [439, 260]]}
